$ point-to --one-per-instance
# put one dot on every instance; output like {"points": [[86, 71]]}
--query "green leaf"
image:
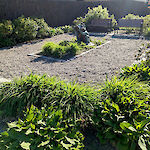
{"points": [[127, 125], [32, 126], [12, 125], [30, 117], [67, 146], [141, 143], [116, 106], [25, 145], [143, 123], [72, 141], [5, 133], [28, 131], [44, 143]]}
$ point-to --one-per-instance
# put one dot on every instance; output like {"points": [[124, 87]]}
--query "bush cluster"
{"points": [[65, 49], [25, 29], [118, 111], [95, 13]]}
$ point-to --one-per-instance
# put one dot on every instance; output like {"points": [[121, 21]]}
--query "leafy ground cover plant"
{"points": [[95, 13], [122, 114], [41, 129], [66, 49], [140, 71], [74, 100]]}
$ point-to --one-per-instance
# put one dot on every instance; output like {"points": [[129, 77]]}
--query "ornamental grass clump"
{"points": [[73, 99]]}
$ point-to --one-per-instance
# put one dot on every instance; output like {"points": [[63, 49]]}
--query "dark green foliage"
{"points": [[74, 100], [43, 29], [24, 29], [140, 71], [6, 30], [122, 114], [65, 49], [42, 129], [67, 29], [58, 31]]}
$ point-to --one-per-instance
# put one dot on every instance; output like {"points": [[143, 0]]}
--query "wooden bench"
{"points": [[100, 25], [132, 23]]}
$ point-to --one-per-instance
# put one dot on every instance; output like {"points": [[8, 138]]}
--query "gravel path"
{"points": [[92, 67]]}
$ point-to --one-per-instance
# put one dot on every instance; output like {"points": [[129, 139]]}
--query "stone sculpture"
{"points": [[81, 33]]}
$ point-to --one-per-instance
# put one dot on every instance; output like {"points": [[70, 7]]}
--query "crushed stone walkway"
{"points": [[92, 67]]}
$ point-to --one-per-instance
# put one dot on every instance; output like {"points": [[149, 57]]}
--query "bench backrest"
{"points": [[101, 22], [130, 23]]}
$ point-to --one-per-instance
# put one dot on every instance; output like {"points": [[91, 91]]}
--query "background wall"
{"points": [[64, 12]]}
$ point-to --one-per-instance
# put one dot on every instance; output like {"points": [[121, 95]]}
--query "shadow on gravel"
{"points": [[98, 34], [45, 61], [21, 44], [127, 37]]}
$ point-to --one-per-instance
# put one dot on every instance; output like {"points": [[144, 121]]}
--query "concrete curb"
{"points": [[2, 80], [61, 60]]}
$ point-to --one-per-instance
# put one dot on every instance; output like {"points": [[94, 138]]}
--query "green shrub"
{"points": [[25, 29], [41, 129], [122, 114], [95, 13], [43, 28], [74, 100], [146, 25], [67, 29], [58, 31], [131, 16], [6, 42], [6, 30], [140, 71], [97, 42], [65, 49]]}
